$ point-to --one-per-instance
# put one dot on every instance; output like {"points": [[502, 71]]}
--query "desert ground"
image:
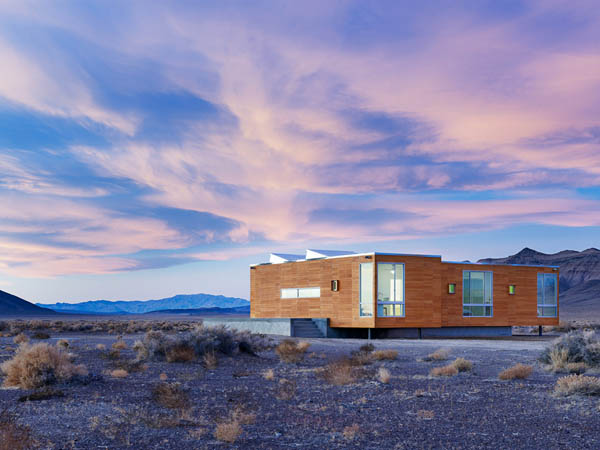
{"points": [[241, 400]]}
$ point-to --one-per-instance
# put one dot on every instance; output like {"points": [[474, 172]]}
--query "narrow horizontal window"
{"points": [[309, 292]]}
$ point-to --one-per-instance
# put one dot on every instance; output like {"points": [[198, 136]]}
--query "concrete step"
{"points": [[305, 328]]}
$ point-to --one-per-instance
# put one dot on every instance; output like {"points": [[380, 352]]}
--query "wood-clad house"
{"points": [[391, 294]]}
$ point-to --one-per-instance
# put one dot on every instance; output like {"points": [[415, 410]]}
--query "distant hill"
{"points": [[178, 302], [238, 310], [12, 305], [579, 281]]}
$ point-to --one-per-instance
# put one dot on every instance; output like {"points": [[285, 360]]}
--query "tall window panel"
{"points": [[390, 290], [366, 290], [477, 293], [547, 295]]}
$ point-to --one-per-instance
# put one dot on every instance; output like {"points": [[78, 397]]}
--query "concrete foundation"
{"points": [[281, 327]]}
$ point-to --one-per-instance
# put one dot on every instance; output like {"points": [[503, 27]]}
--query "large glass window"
{"points": [[390, 290], [308, 292], [366, 290], [477, 294], [546, 295]]}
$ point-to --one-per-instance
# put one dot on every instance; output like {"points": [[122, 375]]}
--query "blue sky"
{"points": [[148, 150]]}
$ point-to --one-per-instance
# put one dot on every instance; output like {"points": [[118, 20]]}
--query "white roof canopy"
{"points": [[315, 254]]}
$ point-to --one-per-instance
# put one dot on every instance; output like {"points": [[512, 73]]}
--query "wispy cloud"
{"points": [[175, 127]]}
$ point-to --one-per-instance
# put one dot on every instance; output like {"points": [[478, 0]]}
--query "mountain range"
{"points": [[178, 302], [13, 305], [579, 279]]}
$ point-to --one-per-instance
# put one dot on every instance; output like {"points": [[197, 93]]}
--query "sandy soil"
{"points": [[414, 410]]}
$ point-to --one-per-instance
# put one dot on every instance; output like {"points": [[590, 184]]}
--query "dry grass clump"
{"points": [[63, 343], [445, 371], [21, 338], [341, 372], [291, 351], [577, 368], [575, 347], [210, 360], [163, 377], [180, 353], [39, 365], [518, 371], [14, 436], [383, 375], [40, 335], [578, 384], [156, 344], [119, 345], [269, 375], [350, 432], [462, 364], [425, 414], [286, 389], [381, 355], [228, 431], [171, 395], [101, 347], [441, 354], [119, 373]]}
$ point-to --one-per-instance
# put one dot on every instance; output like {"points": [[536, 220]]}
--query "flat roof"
{"points": [[350, 255]]}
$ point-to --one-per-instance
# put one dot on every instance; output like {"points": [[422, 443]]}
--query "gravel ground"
{"points": [[414, 410]]}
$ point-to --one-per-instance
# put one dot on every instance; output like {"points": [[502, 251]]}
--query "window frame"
{"points": [[395, 302], [360, 289], [547, 305], [297, 296], [484, 305]]}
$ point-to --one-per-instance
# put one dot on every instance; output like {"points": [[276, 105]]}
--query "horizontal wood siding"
{"points": [[340, 307], [427, 301], [508, 310]]}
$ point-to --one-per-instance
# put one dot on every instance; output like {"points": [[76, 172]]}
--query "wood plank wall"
{"points": [[427, 301]]}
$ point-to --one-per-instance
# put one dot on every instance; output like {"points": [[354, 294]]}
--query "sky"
{"points": [[149, 149]]}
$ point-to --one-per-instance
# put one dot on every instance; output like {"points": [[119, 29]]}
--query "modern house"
{"points": [[401, 295]]}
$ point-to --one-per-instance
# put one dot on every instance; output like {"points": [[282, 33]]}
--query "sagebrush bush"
{"points": [[445, 371], [156, 345], [39, 365], [171, 395], [574, 347], [578, 384], [21, 338], [384, 375], [342, 371], [228, 431], [291, 351], [440, 354], [119, 345], [462, 364], [119, 373], [14, 436], [381, 355], [180, 353], [40, 335], [518, 371]]}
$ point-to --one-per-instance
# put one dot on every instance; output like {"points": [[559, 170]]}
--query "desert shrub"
{"points": [[243, 416], [286, 389], [228, 431], [425, 414], [40, 335], [269, 375], [119, 345], [367, 348], [101, 347], [462, 364], [171, 395], [210, 360], [21, 338], [39, 365], [444, 371], [342, 371], [578, 384], [119, 373], [156, 344], [180, 353], [384, 375], [350, 432], [45, 393], [518, 371], [291, 351], [577, 368], [574, 347], [63, 343], [381, 355], [14, 436], [441, 354]]}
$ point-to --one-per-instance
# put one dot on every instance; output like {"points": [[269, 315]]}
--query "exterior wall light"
{"points": [[335, 285]]}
